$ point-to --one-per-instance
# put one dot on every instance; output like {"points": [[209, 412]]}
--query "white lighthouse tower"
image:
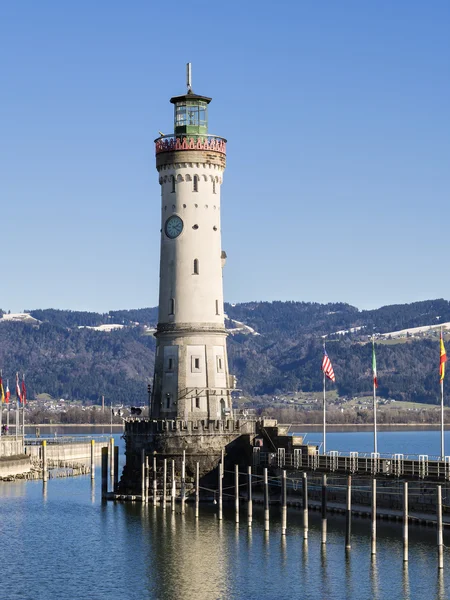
{"points": [[191, 378]]}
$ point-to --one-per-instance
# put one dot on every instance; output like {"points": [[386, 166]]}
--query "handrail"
{"points": [[60, 441]]}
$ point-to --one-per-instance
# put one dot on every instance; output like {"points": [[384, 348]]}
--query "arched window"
{"points": [[173, 184], [195, 183], [196, 267], [172, 306]]}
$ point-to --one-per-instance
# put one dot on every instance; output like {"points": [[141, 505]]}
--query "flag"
{"points": [[374, 365], [2, 391], [19, 399], [8, 393], [327, 367], [24, 391], [443, 360]]}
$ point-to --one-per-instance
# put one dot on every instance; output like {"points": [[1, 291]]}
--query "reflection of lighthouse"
{"points": [[191, 380]]}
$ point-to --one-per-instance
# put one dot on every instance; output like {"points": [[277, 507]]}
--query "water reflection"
{"points": [[374, 577], [405, 582]]}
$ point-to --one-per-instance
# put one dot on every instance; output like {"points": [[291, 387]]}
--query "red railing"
{"points": [[211, 143]]}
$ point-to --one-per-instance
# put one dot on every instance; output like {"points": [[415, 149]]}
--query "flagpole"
{"points": [[375, 444], [442, 421], [324, 416]]}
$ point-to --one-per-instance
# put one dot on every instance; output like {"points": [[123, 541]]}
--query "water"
{"points": [[60, 542]]}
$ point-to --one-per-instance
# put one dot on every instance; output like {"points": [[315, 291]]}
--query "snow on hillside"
{"points": [[414, 331], [240, 327], [108, 327], [20, 318]]}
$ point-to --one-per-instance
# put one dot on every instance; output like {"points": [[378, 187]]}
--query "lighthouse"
{"points": [[191, 378]]}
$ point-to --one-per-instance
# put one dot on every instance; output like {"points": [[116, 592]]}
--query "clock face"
{"points": [[173, 227]]}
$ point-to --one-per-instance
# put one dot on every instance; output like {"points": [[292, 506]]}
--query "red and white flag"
{"points": [[24, 391], [327, 367], [19, 399]]}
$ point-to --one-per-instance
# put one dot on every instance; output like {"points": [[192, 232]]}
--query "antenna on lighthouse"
{"points": [[189, 78]]}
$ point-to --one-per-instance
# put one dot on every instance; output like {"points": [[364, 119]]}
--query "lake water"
{"points": [[60, 542]]}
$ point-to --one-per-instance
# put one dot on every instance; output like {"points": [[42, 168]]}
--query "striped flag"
{"points": [[374, 365], [327, 367], [24, 391], [443, 360], [18, 388]]}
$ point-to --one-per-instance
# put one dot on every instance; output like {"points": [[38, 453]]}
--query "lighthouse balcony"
{"points": [[203, 141]]}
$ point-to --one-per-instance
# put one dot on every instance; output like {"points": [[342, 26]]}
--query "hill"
{"points": [[274, 348]]}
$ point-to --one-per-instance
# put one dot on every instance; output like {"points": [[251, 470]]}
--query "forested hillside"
{"points": [[63, 357]]}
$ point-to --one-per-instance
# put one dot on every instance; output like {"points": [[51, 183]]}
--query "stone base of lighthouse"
{"points": [[202, 441]]}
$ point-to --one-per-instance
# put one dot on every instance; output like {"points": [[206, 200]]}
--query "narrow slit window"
{"points": [[196, 363], [173, 184], [196, 267], [170, 364], [167, 400], [219, 363], [172, 306], [197, 403], [214, 187], [195, 183], [217, 307]]}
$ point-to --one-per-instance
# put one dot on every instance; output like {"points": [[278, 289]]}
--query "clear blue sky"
{"points": [[338, 120]]}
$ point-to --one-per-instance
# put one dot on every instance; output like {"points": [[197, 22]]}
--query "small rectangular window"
{"points": [[195, 364], [197, 403], [171, 306], [219, 364], [170, 364], [195, 183], [217, 307], [167, 400]]}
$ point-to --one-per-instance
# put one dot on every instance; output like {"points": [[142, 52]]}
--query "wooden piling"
{"points": [[440, 537], [305, 505], [116, 467], [111, 459], [324, 509], [197, 488], [236, 492], [283, 503], [44, 461], [104, 472], [348, 515], [142, 475], [183, 482], [173, 490], [155, 481], [405, 521], [164, 493], [373, 540], [220, 491], [147, 479], [266, 500], [249, 497], [92, 459]]}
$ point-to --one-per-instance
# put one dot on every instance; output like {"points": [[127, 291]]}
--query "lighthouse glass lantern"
{"points": [[191, 115]]}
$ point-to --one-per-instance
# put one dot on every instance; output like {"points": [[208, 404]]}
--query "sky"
{"points": [[337, 116]]}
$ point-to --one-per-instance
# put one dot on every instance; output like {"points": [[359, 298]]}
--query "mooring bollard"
{"points": [[104, 472], [283, 503], [405, 521], [236, 492], [266, 500], [348, 529], [197, 488], [164, 494], [143, 475], [111, 459], [324, 509], [116, 467], [305, 506], [174, 489], [373, 542], [220, 490], [92, 459], [155, 481], [183, 482], [440, 537], [44, 461]]}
